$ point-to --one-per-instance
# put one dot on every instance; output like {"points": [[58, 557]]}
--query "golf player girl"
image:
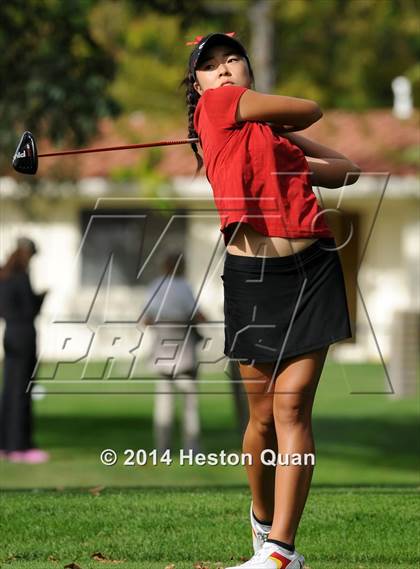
{"points": [[284, 293]]}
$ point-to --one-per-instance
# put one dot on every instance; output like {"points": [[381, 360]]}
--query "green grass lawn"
{"points": [[360, 438], [361, 511], [152, 528]]}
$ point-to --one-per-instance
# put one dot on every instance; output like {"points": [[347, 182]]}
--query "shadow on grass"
{"points": [[369, 440], [361, 440]]}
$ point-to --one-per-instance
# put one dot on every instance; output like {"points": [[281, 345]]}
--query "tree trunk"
{"points": [[262, 44]]}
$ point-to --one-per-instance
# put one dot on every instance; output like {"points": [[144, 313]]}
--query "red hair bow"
{"points": [[198, 39]]}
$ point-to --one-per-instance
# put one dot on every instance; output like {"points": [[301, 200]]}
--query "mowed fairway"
{"points": [[154, 528], [362, 510]]}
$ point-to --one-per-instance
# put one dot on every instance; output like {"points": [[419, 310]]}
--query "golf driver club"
{"points": [[25, 159]]}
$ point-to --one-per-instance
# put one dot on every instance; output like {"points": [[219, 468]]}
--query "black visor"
{"points": [[214, 39]]}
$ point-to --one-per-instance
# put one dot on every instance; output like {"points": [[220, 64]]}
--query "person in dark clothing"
{"points": [[19, 306]]}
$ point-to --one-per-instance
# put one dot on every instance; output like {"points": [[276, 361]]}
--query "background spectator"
{"points": [[19, 306], [170, 303]]}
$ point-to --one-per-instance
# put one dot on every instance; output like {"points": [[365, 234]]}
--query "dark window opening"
{"points": [[122, 240]]}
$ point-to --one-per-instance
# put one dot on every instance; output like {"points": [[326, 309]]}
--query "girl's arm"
{"points": [[290, 111], [329, 168]]}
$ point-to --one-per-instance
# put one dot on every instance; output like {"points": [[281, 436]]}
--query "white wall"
{"points": [[388, 277]]}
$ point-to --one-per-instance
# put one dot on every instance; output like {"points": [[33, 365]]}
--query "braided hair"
{"points": [[191, 99]]}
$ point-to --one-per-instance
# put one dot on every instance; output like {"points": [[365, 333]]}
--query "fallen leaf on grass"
{"points": [[72, 566], [98, 556], [201, 565], [96, 490], [52, 558], [171, 566]]}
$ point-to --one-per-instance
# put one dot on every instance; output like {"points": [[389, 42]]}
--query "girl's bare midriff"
{"points": [[249, 242]]}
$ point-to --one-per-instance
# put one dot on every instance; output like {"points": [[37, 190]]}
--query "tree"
{"points": [[341, 53], [55, 76], [151, 52], [344, 54]]}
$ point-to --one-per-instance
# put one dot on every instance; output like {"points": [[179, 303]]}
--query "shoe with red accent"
{"points": [[259, 532], [272, 556]]}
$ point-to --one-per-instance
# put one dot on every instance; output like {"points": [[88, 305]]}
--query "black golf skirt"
{"points": [[279, 307]]}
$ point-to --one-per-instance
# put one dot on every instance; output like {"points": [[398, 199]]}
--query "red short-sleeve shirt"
{"points": [[257, 176]]}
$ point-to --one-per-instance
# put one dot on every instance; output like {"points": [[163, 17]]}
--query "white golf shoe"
{"points": [[259, 532], [272, 556]]}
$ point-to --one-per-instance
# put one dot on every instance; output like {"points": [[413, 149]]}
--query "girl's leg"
{"points": [[260, 434], [295, 389]]}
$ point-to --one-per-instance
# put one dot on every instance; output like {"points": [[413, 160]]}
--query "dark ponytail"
{"points": [[191, 99]]}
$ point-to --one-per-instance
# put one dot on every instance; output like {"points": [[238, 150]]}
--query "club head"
{"points": [[25, 159]]}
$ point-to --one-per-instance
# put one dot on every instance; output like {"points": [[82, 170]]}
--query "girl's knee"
{"points": [[292, 413], [264, 424]]}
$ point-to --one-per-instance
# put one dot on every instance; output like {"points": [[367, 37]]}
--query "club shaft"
{"points": [[125, 147]]}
